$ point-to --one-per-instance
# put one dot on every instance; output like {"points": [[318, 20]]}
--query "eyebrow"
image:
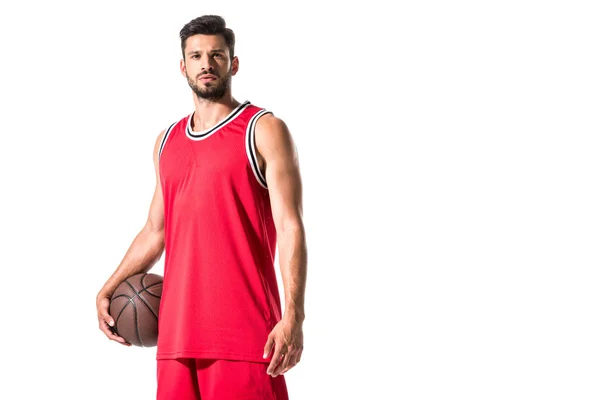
{"points": [[212, 51]]}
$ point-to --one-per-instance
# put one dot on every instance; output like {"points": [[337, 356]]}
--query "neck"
{"points": [[209, 112]]}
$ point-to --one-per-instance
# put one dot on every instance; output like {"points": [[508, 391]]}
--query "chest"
{"points": [[222, 156]]}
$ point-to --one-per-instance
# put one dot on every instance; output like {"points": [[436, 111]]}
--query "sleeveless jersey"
{"points": [[220, 297]]}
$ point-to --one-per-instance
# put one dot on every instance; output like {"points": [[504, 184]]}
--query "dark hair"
{"points": [[207, 25]]}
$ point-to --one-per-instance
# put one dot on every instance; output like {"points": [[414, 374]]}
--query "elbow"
{"points": [[292, 228], [155, 234]]}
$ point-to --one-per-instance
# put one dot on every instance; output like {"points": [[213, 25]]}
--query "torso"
{"points": [[220, 296]]}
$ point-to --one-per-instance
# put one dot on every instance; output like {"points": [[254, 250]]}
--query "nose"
{"points": [[205, 64]]}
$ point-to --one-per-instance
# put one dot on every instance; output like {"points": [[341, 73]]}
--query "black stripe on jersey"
{"points": [[251, 148], [203, 135], [164, 140]]}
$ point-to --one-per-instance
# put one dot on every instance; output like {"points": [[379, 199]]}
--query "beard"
{"points": [[215, 91]]}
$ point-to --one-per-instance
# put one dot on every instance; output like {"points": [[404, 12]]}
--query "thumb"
{"points": [[269, 345], [106, 315], [109, 320]]}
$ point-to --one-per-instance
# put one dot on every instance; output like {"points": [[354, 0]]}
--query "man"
{"points": [[228, 189]]}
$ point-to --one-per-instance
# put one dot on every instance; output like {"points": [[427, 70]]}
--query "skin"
{"points": [[206, 55], [145, 250], [276, 146]]}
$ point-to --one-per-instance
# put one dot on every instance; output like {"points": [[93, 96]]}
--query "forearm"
{"points": [[145, 250], [293, 264]]}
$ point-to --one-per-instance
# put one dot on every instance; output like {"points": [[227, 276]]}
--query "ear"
{"points": [[235, 65], [182, 67]]}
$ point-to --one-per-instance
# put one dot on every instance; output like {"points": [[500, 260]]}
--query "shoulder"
{"points": [[272, 134], [164, 134], [269, 122], [158, 144], [159, 139]]}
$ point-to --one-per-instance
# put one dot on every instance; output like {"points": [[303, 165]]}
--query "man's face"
{"points": [[207, 66]]}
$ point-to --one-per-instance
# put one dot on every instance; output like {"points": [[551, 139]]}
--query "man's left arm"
{"points": [[276, 148]]}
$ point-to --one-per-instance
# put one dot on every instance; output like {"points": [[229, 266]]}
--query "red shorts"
{"points": [[201, 379]]}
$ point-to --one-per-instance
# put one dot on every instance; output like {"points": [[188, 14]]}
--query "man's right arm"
{"points": [[145, 250]]}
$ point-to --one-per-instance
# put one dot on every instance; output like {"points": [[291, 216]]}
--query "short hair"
{"points": [[207, 25]]}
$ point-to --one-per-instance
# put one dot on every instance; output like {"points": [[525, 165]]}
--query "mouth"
{"points": [[207, 78]]}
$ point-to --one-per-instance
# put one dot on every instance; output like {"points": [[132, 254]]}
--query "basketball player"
{"points": [[228, 189]]}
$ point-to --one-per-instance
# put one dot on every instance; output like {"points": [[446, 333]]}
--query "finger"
{"points": [[111, 334], [268, 346], [115, 336], [104, 314], [295, 360], [106, 329], [284, 363], [292, 363], [119, 339], [107, 323], [109, 320], [276, 358]]}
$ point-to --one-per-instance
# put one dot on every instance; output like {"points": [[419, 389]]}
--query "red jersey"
{"points": [[220, 297]]}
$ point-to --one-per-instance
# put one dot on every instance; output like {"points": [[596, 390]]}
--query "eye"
{"points": [[217, 55]]}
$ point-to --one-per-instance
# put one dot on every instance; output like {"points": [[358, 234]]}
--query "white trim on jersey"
{"points": [[206, 133], [251, 147], [164, 139]]}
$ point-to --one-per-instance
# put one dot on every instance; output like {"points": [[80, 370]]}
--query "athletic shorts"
{"points": [[203, 379]]}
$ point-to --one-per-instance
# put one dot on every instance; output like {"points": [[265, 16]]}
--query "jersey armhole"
{"points": [[251, 147], [165, 137]]}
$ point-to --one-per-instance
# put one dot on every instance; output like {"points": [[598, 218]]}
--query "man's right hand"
{"points": [[106, 321]]}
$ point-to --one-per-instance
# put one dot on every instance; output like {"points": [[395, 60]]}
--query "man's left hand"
{"points": [[287, 339]]}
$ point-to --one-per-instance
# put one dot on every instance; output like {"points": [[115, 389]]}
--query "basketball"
{"points": [[134, 308]]}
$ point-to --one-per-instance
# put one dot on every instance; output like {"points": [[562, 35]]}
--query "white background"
{"points": [[450, 159]]}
